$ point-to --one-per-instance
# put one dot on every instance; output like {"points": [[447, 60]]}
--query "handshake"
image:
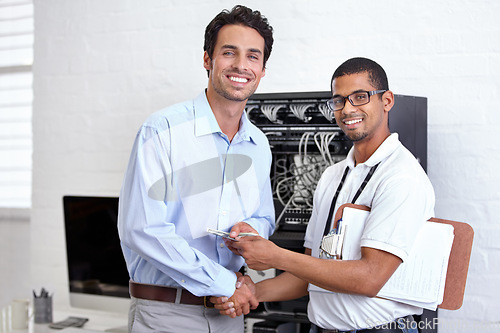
{"points": [[243, 299], [258, 253]]}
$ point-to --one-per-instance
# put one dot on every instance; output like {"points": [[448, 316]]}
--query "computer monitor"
{"points": [[97, 273]]}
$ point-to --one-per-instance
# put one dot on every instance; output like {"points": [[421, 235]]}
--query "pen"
{"points": [[243, 234], [43, 293], [226, 234], [339, 226]]}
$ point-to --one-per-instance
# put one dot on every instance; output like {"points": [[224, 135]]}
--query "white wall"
{"points": [[102, 66], [15, 251]]}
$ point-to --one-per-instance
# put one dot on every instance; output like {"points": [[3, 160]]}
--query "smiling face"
{"points": [[237, 63], [365, 123]]}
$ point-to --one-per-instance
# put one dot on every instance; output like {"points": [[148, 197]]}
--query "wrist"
{"points": [[276, 257], [280, 259], [258, 292]]}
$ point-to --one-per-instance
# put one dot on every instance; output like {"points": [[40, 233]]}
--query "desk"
{"points": [[99, 321]]}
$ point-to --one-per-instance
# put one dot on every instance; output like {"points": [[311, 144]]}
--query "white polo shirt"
{"points": [[401, 198]]}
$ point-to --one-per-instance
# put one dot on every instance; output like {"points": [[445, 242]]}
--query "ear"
{"points": [[388, 100], [263, 72], [207, 62]]}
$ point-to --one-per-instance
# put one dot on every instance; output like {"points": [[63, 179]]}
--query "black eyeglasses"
{"points": [[356, 99]]}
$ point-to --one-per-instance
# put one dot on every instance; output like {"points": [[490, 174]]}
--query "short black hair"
{"points": [[376, 74], [244, 16]]}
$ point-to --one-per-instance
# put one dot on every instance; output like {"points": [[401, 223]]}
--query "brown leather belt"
{"points": [[166, 294]]}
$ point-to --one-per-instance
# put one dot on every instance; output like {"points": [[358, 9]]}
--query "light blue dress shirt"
{"points": [[183, 177]]}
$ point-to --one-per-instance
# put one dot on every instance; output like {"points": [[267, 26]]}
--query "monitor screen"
{"points": [[96, 268]]}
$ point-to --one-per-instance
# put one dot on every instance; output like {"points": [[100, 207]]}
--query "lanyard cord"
{"points": [[341, 184]]}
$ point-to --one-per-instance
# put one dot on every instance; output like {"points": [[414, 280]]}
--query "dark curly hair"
{"points": [[377, 75], [244, 16]]}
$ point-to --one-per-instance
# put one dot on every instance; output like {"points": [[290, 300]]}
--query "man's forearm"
{"points": [[283, 287], [362, 277]]}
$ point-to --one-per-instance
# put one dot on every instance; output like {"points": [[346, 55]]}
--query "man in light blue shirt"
{"points": [[196, 165]]}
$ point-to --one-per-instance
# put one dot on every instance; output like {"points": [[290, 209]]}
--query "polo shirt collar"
{"points": [[383, 151]]}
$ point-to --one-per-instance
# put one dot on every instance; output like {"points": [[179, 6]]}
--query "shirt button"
{"points": [[223, 213], [221, 244], [183, 281]]}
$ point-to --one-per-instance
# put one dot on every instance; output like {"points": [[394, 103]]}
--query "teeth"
{"points": [[350, 122], [238, 79]]}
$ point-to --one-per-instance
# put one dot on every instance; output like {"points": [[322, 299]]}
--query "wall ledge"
{"points": [[15, 214]]}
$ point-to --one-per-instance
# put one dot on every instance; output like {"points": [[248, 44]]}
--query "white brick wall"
{"points": [[102, 66]]}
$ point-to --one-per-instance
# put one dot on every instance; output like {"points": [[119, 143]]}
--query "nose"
{"points": [[348, 107], [240, 63]]}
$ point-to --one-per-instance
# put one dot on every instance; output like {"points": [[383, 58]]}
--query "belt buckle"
{"points": [[207, 303]]}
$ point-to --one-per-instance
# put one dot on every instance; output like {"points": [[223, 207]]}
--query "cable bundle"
{"points": [[295, 184], [271, 112], [326, 112], [299, 110]]}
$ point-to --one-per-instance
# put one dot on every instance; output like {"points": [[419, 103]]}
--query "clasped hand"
{"points": [[257, 253], [242, 300]]}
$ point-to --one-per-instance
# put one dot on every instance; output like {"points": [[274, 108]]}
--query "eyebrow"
{"points": [[233, 47], [354, 92]]}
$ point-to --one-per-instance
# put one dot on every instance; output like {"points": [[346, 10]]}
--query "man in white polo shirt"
{"points": [[379, 172]]}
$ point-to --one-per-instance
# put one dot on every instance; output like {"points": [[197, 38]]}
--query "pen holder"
{"points": [[42, 307]]}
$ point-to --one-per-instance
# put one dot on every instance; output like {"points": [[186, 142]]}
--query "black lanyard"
{"points": [[358, 193]]}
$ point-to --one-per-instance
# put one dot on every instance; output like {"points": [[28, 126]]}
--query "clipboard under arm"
{"points": [[458, 262]]}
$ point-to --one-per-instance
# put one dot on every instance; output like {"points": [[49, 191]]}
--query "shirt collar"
{"points": [[246, 131], [385, 149], [204, 119], [205, 122]]}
